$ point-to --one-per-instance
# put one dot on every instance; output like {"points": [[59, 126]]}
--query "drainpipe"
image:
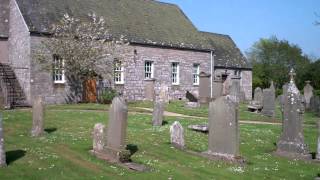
{"points": [[212, 73]]}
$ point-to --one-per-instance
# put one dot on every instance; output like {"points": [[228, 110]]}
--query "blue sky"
{"points": [[246, 21]]}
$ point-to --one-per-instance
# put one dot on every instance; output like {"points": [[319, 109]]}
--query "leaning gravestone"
{"points": [[117, 131], [268, 103], [258, 96], [177, 135], [291, 143], [158, 111], [2, 150], [223, 129], [38, 109], [99, 137], [308, 93]]}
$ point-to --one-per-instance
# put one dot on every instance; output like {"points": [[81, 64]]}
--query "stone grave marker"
{"points": [[223, 128], [99, 137], [158, 113], [38, 110], [217, 88], [177, 135], [269, 104], [235, 89], [2, 149], [163, 94], [192, 101], [149, 89], [258, 96], [291, 143], [204, 88], [318, 143], [308, 93]]}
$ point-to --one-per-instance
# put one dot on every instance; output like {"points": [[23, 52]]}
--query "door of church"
{"points": [[90, 91]]}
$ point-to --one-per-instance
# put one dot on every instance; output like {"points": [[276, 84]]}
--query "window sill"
{"points": [[149, 79], [175, 84], [196, 85], [59, 82], [119, 84]]}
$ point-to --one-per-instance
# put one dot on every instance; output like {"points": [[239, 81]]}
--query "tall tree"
{"points": [[272, 59]]}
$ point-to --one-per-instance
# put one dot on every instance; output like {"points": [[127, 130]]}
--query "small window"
{"points": [[195, 74], [148, 69], [175, 73], [118, 73], [58, 70]]}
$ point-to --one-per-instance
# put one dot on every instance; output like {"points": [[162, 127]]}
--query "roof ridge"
{"points": [[213, 33]]}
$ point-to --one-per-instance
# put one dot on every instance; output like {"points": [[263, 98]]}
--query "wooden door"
{"points": [[90, 91]]}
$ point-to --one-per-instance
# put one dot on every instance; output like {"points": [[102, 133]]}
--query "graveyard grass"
{"points": [[63, 152]]}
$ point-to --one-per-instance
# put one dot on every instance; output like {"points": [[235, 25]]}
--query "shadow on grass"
{"points": [[12, 156], [50, 130], [165, 122], [132, 148]]}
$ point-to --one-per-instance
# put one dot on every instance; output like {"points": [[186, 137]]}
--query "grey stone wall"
{"points": [[4, 56], [19, 49], [134, 81]]}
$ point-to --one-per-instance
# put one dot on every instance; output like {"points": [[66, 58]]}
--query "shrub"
{"points": [[107, 96], [317, 92]]}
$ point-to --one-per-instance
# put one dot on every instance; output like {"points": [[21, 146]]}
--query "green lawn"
{"points": [[63, 153]]}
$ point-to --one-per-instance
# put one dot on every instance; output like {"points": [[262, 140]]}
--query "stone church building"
{"points": [[165, 49]]}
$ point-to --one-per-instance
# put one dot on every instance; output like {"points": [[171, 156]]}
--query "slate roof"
{"points": [[4, 18], [227, 54], [147, 22]]}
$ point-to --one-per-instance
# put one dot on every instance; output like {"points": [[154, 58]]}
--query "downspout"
{"points": [[212, 73]]}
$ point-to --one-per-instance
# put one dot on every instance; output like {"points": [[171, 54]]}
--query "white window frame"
{"points": [[195, 74], [175, 73], [58, 72], [148, 69], [118, 72]]}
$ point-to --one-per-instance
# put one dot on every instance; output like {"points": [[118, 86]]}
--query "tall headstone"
{"points": [[258, 96], [2, 149], [318, 144], [235, 89], [308, 93], [117, 131], [177, 135], [316, 104], [204, 88], [223, 128], [99, 137], [158, 112], [217, 88], [269, 104], [163, 94], [38, 110], [291, 141]]}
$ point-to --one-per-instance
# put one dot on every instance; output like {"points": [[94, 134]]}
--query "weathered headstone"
{"points": [[117, 131], [158, 112], [226, 86], [204, 88], [2, 149], [99, 137], [318, 144], [191, 97], [308, 93], [269, 104], [258, 96], [235, 89], [38, 109], [316, 104], [217, 88], [291, 141], [163, 94], [177, 135], [223, 128]]}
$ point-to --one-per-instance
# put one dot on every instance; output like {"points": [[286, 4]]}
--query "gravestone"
{"points": [[258, 96], [316, 104], [163, 94], [2, 149], [308, 93], [268, 103], [291, 141], [217, 88], [226, 86], [158, 112], [177, 135], [204, 88], [149, 89], [318, 144], [235, 89], [99, 137], [117, 131], [223, 128], [38, 109]]}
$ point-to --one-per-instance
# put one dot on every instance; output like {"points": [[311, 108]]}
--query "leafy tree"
{"points": [[273, 58]]}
